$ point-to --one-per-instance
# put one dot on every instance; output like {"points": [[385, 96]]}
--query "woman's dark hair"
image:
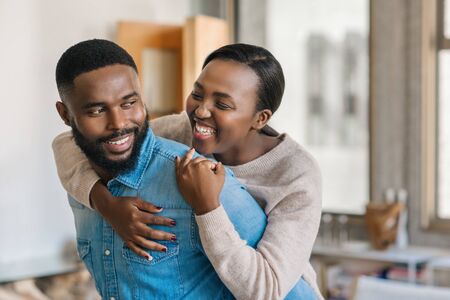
{"points": [[264, 64]]}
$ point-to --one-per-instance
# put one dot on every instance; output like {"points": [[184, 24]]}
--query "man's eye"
{"points": [[128, 104], [95, 112]]}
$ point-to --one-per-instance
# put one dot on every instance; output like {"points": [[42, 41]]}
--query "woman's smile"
{"points": [[202, 130]]}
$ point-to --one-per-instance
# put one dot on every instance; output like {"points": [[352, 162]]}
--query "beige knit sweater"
{"points": [[285, 182]]}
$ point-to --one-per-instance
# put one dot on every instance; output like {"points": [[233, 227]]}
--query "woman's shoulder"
{"points": [[175, 127], [297, 155], [286, 161], [292, 163], [287, 174]]}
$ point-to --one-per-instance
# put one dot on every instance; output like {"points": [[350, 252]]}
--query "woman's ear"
{"points": [[261, 118]]}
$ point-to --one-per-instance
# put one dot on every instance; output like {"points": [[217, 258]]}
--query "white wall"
{"points": [[35, 219]]}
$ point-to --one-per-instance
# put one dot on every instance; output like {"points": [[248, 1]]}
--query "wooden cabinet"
{"points": [[169, 57]]}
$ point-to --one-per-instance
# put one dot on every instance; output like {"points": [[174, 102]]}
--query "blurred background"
{"points": [[366, 93]]}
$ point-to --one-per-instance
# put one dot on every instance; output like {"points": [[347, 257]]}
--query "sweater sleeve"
{"points": [[282, 256], [176, 127], [74, 170]]}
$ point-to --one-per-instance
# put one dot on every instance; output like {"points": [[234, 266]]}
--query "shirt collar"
{"points": [[132, 178]]}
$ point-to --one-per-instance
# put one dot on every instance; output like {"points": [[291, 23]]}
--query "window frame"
{"points": [[433, 41]]}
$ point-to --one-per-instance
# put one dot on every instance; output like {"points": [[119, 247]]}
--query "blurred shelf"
{"points": [[38, 267]]}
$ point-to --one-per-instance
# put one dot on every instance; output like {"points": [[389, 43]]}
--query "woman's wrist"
{"points": [[206, 207], [100, 198]]}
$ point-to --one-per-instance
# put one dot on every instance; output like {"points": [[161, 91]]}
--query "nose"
{"points": [[117, 120], [203, 111]]}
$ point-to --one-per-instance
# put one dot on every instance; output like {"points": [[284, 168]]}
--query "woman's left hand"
{"points": [[200, 182]]}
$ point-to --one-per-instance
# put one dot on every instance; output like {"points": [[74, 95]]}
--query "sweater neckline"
{"points": [[263, 162]]}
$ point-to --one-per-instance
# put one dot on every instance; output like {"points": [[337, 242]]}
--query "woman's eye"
{"points": [[196, 96], [221, 105]]}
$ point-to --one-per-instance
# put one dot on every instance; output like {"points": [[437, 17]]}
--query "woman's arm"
{"points": [[74, 170], [278, 262], [176, 127], [282, 256]]}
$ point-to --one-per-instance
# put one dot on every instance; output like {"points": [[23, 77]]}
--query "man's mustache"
{"points": [[118, 134]]}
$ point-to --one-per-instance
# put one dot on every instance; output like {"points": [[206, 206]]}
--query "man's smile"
{"points": [[119, 145]]}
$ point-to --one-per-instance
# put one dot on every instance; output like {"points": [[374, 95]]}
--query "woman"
{"points": [[238, 90]]}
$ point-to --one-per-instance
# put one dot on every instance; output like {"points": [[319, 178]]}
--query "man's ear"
{"points": [[63, 112], [261, 118], [146, 110]]}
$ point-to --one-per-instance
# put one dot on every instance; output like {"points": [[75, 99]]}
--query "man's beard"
{"points": [[97, 155]]}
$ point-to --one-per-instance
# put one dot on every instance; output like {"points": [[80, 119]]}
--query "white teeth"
{"points": [[119, 142], [204, 130]]}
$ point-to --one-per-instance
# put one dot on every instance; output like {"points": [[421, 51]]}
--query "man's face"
{"points": [[107, 116]]}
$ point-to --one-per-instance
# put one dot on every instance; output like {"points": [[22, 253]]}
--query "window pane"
{"points": [[443, 197], [322, 46], [446, 18]]}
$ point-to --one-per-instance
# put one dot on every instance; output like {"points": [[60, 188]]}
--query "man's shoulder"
{"points": [[169, 148]]}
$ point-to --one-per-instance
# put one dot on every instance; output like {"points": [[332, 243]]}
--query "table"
{"points": [[411, 256], [438, 263]]}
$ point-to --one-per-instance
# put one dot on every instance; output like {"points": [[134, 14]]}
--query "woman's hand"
{"points": [[200, 182], [129, 217]]}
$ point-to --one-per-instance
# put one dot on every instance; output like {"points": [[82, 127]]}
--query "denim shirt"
{"points": [[183, 272]]}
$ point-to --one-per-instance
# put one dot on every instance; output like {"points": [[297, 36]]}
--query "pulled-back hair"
{"points": [[264, 64], [87, 56]]}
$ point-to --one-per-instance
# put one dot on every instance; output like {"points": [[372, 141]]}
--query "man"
{"points": [[101, 100]]}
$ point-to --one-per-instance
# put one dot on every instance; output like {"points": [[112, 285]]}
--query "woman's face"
{"points": [[222, 106]]}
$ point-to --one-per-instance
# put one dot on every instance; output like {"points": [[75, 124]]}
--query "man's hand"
{"points": [[200, 182], [129, 217]]}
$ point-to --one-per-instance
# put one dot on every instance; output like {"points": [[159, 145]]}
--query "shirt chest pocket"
{"points": [[158, 278], [156, 256]]}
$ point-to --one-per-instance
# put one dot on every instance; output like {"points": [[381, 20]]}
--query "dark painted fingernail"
{"points": [[173, 223], [164, 250], [173, 238], [158, 207]]}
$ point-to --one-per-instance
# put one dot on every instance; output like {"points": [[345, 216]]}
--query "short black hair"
{"points": [[88, 56], [264, 64]]}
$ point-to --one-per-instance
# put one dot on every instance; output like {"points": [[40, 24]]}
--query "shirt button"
{"points": [[112, 298], [107, 253]]}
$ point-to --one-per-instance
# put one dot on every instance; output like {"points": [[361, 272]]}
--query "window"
{"points": [[323, 49], [443, 111], [435, 134]]}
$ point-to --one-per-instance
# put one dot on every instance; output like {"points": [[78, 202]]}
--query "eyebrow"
{"points": [[198, 85], [216, 94], [130, 95], [95, 104], [221, 95]]}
